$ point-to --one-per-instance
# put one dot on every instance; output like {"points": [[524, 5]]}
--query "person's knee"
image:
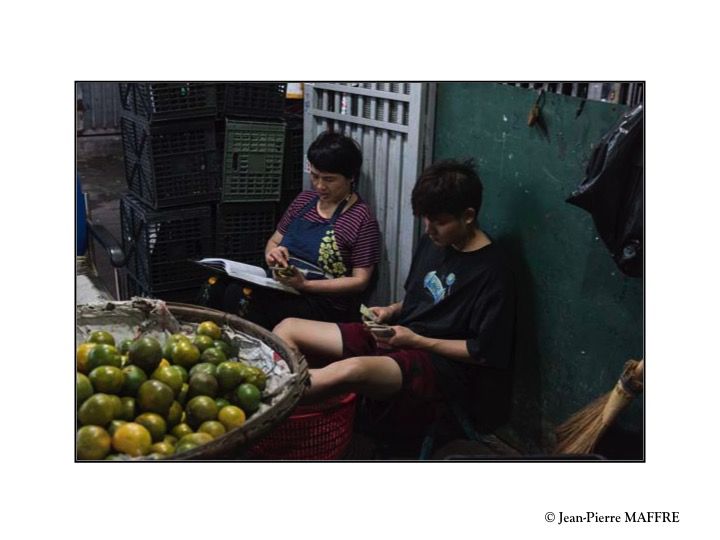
{"points": [[284, 327]]}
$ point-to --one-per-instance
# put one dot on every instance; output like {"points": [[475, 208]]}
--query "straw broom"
{"points": [[581, 432]]}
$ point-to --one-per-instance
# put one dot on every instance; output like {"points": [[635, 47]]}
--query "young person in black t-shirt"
{"points": [[456, 318]]}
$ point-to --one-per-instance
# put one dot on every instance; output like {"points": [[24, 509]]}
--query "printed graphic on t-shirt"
{"points": [[434, 285]]}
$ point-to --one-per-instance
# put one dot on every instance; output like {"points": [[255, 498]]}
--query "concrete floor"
{"points": [[102, 173]]}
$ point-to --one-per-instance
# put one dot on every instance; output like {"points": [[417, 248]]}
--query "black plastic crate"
{"points": [[162, 243], [171, 164], [251, 100], [193, 295], [158, 102], [243, 229], [253, 161], [294, 157]]}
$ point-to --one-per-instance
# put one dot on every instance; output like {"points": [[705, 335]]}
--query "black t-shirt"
{"points": [[462, 295]]}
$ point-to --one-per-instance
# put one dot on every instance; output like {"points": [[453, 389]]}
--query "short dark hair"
{"points": [[335, 153], [447, 186]]}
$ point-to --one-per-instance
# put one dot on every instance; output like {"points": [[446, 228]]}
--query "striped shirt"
{"points": [[356, 230]]}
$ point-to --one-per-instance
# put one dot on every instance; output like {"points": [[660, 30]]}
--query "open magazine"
{"points": [[245, 272]]}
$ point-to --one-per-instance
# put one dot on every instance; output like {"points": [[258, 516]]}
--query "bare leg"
{"points": [[316, 340], [377, 377]]}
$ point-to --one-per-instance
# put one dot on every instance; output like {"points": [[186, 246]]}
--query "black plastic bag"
{"points": [[612, 191]]}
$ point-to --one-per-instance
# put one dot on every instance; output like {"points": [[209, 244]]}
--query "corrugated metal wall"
{"points": [[98, 108], [393, 124]]}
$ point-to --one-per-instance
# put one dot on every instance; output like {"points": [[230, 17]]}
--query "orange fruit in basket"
{"points": [[224, 346], [182, 371], [155, 424], [101, 336], [134, 377], [185, 354], [124, 346], [200, 409], [204, 367], [83, 388], [171, 440], [97, 410], [183, 395], [221, 402], [127, 409], [92, 442], [229, 375], [145, 353], [81, 356], [117, 405], [213, 355], [174, 415], [231, 417], [163, 448], [193, 440], [155, 396], [202, 342], [132, 439], [247, 396], [202, 384], [170, 376], [114, 425], [107, 379], [209, 328], [256, 376], [170, 341], [181, 430], [213, 428], [103, 355]]}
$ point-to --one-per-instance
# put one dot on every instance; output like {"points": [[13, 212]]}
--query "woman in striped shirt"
{"points": [[329, 233]]}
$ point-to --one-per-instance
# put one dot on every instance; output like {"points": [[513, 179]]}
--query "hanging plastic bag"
{"points": [[612, 191]]}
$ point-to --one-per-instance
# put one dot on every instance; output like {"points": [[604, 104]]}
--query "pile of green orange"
{"points": [[141, 398]]}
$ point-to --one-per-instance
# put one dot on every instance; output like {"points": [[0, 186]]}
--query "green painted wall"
{"points": [[579, 317]]}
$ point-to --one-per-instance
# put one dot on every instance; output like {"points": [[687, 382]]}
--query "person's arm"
{"points": [[275, 254], [356, 283], [450, 348], [386, 314]]}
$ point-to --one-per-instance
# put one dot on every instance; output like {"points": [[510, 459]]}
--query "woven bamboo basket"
{"points": [[234, 444]]}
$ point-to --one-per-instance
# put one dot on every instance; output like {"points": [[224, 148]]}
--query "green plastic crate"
{"points": [[253, 161]]}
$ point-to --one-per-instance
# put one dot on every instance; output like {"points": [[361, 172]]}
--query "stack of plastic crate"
{"points": [[173, 172], [253, 142]]}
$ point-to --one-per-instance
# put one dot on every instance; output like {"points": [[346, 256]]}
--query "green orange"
{"points": [[155, 396], [202, 342], [81, 357], [132, 439], [127, 408], [231, 417], [248, 397], [229, 375], [204, 367], [185, 354], [181, 430], [256, 376], [224, 346], [213, 355], [202, 384], [163, 448], [107, 379], [170, 376], [200, 409], [212, 427], [103, 355], [134, 377], [92, 442], [83, 388], [145, 353], [209, 328], [174, 415], [97, 410], [101, 336], [155, 424]]}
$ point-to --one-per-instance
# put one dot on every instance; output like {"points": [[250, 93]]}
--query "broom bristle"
{"points": [[580, 433]]}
